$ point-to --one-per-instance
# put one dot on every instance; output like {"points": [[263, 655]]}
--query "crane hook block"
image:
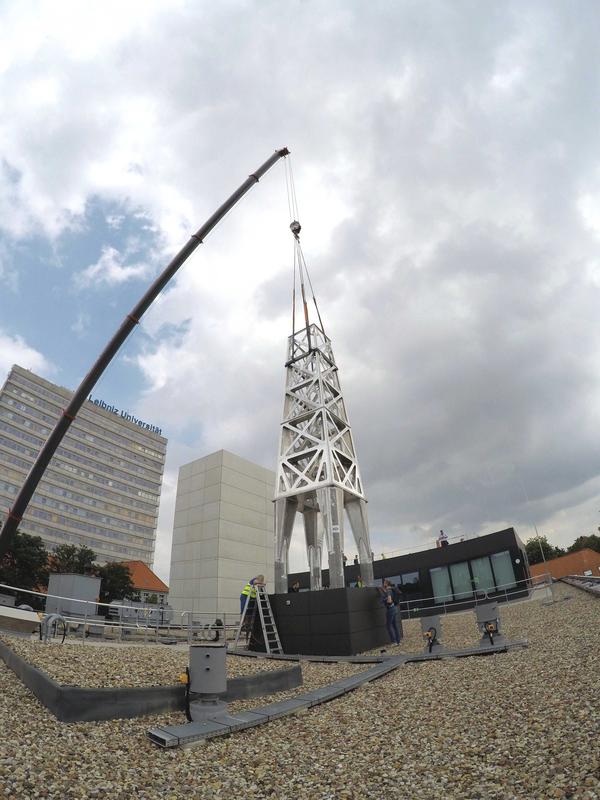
{"points": [[295, 227]]}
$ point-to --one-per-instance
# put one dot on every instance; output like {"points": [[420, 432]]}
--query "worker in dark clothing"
{"points": [[295, 587], [389, 600]]}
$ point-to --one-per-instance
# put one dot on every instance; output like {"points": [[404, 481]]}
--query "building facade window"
{"points": [[483, 577], [103, 484], [440, 582], [461, 580], [503, 570]]}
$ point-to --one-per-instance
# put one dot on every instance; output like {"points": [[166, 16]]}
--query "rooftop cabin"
{"points": [[450, 576]]}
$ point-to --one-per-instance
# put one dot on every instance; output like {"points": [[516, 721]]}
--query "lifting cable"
{"points": [[300, 266]]}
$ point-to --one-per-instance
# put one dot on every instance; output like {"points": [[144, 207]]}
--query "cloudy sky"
{"points": [[447, 168]]}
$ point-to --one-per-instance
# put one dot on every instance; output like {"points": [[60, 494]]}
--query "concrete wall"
{"points": [[572, 564], [76, 587], [222, 533]]}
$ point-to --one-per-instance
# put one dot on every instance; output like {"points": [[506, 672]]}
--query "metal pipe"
{"points": [[36, 472]]}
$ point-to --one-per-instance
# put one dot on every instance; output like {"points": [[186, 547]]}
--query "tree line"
{"points": [[534, 547], [28, 565]]}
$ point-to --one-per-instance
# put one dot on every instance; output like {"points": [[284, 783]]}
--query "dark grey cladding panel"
{"points": [[370, 638], [331, 629], [297, 626], [335, 644], [365, 620], [292, 604], [295, 644], [330, 623], [328, 601], [362, 599]]}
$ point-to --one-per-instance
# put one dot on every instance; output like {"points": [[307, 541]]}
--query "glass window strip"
{"points": [[71, 441], [61, 400]]}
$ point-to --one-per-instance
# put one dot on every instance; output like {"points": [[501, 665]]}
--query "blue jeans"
{"points": [[243, 598], [391, 622]]}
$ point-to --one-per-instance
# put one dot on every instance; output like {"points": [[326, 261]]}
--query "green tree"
{"points": [[25, 564], [68, 558], [534, 549], [592, 541], [116, 582]]}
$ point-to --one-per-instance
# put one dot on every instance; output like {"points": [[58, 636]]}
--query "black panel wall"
{"points": [[330, 622]]}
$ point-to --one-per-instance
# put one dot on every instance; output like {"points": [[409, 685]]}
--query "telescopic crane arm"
{"points": [[69, 414]]}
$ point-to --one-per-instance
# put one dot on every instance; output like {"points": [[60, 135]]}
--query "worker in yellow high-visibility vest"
{"points": [[249, 591]]}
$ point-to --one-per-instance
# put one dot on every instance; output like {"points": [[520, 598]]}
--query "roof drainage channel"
{"points": [[482, 650], [317, 659], [79, 704], [591, 587], [220, 724]]}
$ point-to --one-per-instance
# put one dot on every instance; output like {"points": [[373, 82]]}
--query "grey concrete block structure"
{"points": [[65, 587], [222, 532]]}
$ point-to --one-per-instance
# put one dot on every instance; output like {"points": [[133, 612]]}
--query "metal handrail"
{"points": [[74, 599], [85, 621], [409, 607], [427, 545], [447, 602]]}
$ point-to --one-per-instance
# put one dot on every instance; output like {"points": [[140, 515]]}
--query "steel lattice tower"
{"points": [[317, 470]]}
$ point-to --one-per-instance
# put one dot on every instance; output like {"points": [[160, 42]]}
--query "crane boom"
{"points": [[69, 414]]}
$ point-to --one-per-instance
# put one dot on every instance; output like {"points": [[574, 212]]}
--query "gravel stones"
{"points": [[98, 665], [522, 725]]}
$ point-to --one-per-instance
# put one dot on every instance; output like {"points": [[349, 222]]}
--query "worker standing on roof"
{"points": [[389, 600], [249, 591]]}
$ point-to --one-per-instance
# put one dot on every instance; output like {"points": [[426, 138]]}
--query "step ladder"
{"points": [[262, 607]]}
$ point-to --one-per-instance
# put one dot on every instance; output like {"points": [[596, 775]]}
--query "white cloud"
{"points": [[111, 270], [81, 324], [14, 350]]}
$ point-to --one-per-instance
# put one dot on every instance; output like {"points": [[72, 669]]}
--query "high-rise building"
{"points": [[102, 486]]}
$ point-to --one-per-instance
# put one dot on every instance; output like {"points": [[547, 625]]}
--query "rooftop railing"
{"points": [[428, 544], [445, 604], [193, 625], [148, 626]]}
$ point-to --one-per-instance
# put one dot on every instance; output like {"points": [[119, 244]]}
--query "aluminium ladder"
{"points": [[267, 622]]}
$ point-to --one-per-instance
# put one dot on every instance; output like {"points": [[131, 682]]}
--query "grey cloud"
{"points": [[455, 288]]}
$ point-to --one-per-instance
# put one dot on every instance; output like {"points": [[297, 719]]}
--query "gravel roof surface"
{"points": [[524, 724], [95, 665]]}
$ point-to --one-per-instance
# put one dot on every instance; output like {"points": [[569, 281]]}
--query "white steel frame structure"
{"points": [[317, 471]]}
